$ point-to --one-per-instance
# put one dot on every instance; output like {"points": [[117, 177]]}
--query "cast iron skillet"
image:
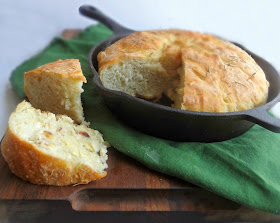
{"points": [[174, 124]]}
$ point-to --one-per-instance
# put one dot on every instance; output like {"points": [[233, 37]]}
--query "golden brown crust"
{"points": [[149, 45], [69, 67], [37, 167], [139, 45], [217, 75], [220, 77]]}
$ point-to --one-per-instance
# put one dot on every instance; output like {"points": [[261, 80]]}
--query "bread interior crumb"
{"points": [[58, 136]]}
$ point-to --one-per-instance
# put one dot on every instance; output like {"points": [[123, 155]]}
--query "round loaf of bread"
{"points": [[199, 72], [49, 149]]}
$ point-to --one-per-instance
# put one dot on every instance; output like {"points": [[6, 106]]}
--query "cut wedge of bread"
{"points": [[57, 87], [50, 149]]}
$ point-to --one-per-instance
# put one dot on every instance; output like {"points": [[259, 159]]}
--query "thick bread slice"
{"points": [[199, 72], [57, 87], [49, 149]]}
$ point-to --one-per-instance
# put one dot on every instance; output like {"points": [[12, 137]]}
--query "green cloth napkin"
{"points": [[245, 169]]}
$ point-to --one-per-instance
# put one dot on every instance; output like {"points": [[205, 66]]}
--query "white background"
{"points": [[27, 26]]}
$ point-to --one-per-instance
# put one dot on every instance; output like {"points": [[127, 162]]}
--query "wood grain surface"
{"points": [[128, 186]]}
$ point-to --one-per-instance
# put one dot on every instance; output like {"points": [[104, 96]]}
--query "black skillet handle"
{"points": [[94, 13], [261, 117]]}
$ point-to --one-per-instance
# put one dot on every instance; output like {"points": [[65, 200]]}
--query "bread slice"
{"points": [[57, 87], [49, 149], [199, 72]]}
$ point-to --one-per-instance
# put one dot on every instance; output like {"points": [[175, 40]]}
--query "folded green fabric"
{"points": [[245, 169]]}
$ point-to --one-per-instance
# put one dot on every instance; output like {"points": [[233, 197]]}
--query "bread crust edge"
{"points": [[37, 167]]}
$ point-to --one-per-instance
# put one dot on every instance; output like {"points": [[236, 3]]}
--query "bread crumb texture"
{"points": [[57, 87], [50, 149], [199, 72]]}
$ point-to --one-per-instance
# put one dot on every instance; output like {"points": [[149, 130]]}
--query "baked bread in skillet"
{"points": [[57, 87], [199, 72], [49, 149]]}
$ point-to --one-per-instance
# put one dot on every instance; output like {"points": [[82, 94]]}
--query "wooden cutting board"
{"points": [[128, 186]]}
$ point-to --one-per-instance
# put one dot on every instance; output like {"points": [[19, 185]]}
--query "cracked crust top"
{"points": [[69, 67], [215, 75]]}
